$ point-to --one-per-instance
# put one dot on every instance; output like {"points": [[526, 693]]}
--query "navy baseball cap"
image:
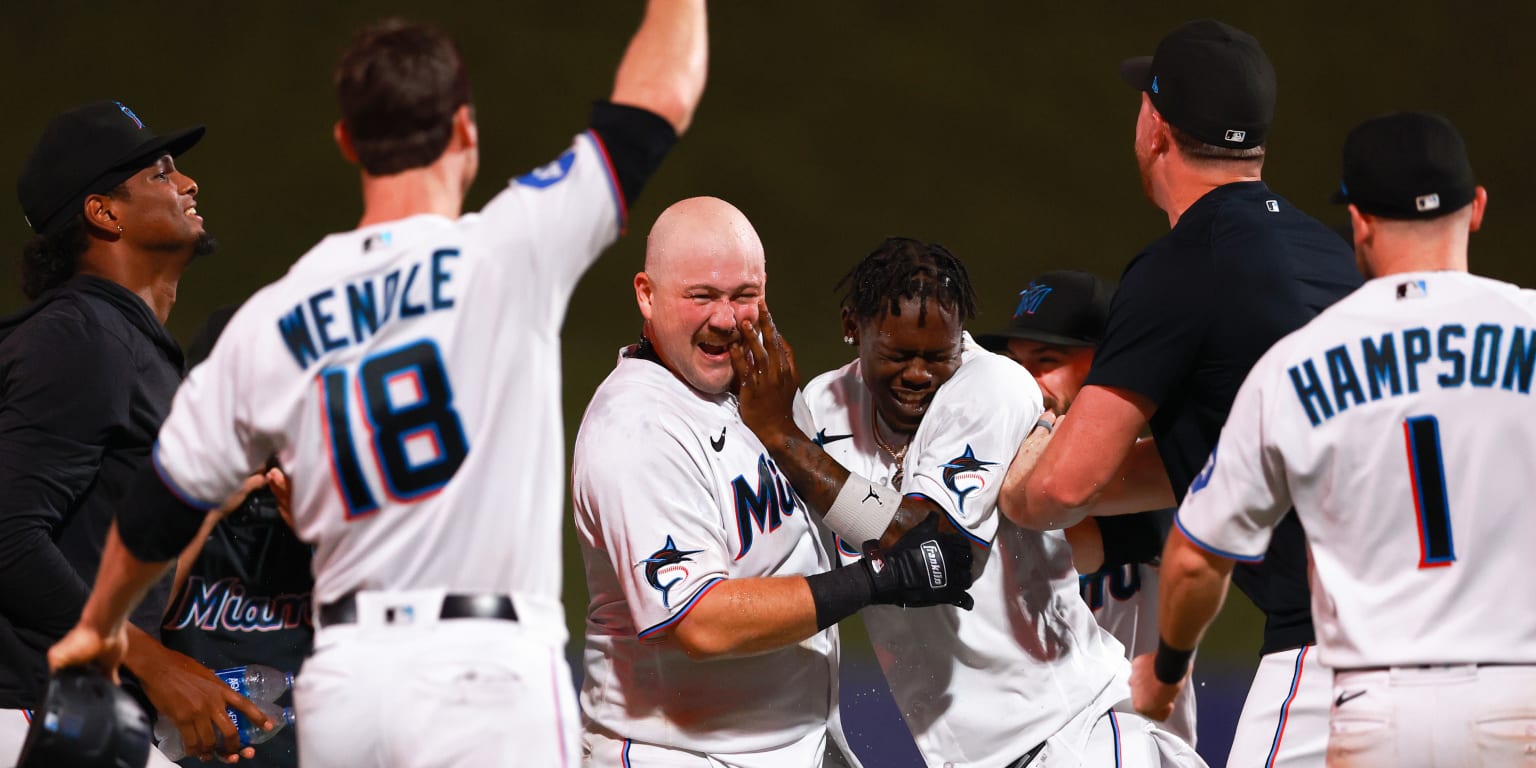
{"points": [[1406, 165], [1064, 307], [89, 150], [1210, 80]]}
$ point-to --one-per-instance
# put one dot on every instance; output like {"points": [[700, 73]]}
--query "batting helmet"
{"points": [[86, 722]]}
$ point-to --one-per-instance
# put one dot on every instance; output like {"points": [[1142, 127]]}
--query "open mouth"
{"points": [[192, 211], [713, 350]]}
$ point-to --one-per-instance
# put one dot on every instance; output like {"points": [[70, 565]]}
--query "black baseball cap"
{"points": [[1406, 165], [85, 151], [1064, 307], [1210, 80]]}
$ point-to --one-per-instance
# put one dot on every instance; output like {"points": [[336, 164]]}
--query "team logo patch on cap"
{"points": [[1030, 298], [130, 114], [1427, 202], [1236, 136]]}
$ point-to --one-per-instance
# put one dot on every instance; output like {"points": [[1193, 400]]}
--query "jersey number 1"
{"points": [[1426, 467], [416, 437]]}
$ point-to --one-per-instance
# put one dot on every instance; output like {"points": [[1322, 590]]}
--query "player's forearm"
{"points": [[121, 582], [1194, 585], [1141, 484], [746, 617], [664, 69], [816, 476]]}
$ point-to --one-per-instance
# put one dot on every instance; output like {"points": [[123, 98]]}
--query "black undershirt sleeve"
{"points": [[155, 525], [636, 141], [1134, 538]]}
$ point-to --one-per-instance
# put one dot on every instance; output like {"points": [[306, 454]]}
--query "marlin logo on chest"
{"points": [[669, 555]]}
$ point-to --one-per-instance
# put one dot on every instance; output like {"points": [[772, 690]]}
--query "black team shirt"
{"points": [[1193, 313], [87, 374]]}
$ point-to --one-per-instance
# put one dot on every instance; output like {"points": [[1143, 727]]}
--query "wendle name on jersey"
{"points": [[1478, 357], [369, 304]]}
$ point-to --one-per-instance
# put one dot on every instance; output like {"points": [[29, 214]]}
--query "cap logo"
{"points": [[1154, 84], [1030, 298], [1427, 202], [130, 114], [1236, 136]]}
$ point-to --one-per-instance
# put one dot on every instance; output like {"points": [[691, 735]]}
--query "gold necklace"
{"points": [[898, 456]]}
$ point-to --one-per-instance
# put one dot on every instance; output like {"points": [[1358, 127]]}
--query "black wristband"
{"points": [[839, 593], [1170, 665]]}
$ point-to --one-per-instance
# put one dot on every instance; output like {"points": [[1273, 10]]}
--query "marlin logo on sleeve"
{"points": [[965, 468], [671, 558]]}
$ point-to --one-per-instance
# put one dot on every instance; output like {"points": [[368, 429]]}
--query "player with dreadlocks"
{"points": [[925, 421]]}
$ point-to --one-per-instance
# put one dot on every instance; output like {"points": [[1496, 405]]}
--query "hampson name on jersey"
{"points": [[1453, 355], [337, 318]]}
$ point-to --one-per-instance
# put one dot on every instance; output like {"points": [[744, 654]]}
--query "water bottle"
{"points": [[257, 682], [251, 734]]}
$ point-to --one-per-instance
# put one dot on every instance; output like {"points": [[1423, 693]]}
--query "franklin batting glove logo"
{"points": [[933, 557]]}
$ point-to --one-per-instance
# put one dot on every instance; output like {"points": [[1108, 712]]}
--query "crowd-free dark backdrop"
{"points": [[1000, 129]]}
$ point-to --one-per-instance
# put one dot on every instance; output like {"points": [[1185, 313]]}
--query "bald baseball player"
{"points": [[406, 373], [1239, 268], [1395, 423], [923, 423], [711, 637]]}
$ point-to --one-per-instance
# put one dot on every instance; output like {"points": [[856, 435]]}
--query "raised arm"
{"points": [[663, 70], [1093, 465]]}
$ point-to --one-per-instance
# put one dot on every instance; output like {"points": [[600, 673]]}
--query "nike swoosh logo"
{"points": [[822, 438], [718, 444], [1347, 696]]}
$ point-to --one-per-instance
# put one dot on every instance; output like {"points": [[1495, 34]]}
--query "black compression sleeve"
{"points": [[840, 593], [636, 141], [1134, 538], [154, 524]]}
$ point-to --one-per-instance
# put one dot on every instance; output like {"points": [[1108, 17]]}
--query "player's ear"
{"points": [[1479, 206], [465, 131], [643, 293], [98, 213], [850, 327], [344, 142]]}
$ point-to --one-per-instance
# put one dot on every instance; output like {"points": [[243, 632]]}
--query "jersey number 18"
{"points": [[415, 434]]}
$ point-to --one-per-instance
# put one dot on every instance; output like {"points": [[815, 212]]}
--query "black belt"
{"points": [[1028, 757], [344, 611]]}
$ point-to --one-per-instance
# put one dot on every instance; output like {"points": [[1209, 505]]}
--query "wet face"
{"points": [[1059, 370], [905, 363], [692, 308], [160, 210]]}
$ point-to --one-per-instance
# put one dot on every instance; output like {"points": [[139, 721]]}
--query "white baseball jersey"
{"points": [[1399, 424], [673, 495], [408, 377], [979, 687], [1124, 603]]}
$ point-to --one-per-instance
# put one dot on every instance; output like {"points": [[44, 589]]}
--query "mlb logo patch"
{"points": [[1427, 202], [1273, 206], [1413, 289], [1236, 136]]}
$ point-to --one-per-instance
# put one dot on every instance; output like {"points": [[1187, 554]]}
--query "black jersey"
{"points": [[1193, 313]]}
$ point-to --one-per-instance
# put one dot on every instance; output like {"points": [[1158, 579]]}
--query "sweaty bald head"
{"points": [[704, 272]]}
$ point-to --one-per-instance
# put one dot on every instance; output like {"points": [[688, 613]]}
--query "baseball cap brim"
{"points": [[998, 342], [173, 144], [1137, 72]]}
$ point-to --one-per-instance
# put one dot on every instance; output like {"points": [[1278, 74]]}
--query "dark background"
{"points": [[1000, 129]]}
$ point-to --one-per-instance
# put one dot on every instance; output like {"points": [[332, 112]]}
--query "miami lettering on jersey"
{"points": [[764, 507], [1484, 356], [340, 316], [223, 604]]}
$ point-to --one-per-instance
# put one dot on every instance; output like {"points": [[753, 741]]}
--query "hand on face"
{"points": [[766, 377]]}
